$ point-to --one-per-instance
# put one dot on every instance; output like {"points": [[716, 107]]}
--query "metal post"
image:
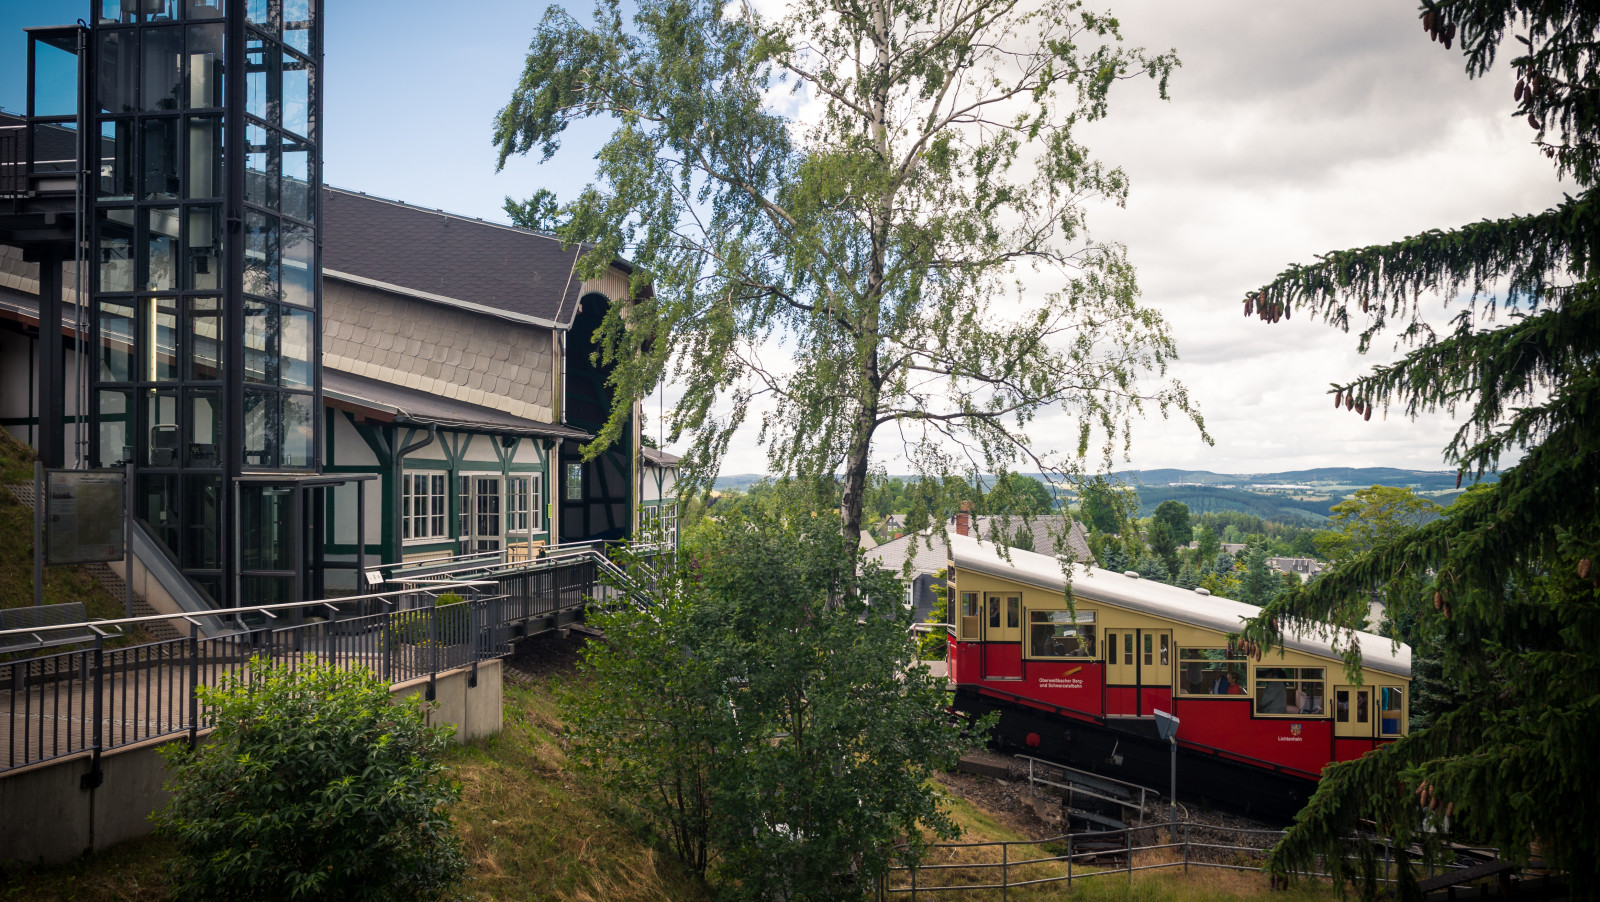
{"points": [[38, 531], [1186, 848], [194, 683], [1127, 836], [1172, 803], [1069, 860], [1005, 869], [92, 778], [127, 538]]}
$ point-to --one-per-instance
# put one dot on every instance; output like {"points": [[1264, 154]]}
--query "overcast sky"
{"points": [[1293, 129]]}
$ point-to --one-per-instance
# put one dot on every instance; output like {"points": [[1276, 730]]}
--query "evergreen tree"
{"points": [[1152, 567], [1176, 515], [1115, 558], [1259, 582], [1205, 555], [1188, 577], [1162, 543], [1223, 563], [1515, 605]]}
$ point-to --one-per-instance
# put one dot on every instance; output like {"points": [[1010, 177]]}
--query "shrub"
{"points": [[314, 784]]}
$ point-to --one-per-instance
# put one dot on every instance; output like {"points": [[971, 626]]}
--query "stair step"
{"points": [[158, 630]]}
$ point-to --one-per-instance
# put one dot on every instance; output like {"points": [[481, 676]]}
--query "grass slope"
{"points": [[535, 829], [61, 584]]}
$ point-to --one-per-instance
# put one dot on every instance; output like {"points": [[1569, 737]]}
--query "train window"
{"points": [[1290, 691], [994, 612], [1054, 634], [1127, 649], [1166, 650], [971, 619], [969, 602], [1014, 611], [1149, 650], [1211, 671], [1392, 717]]}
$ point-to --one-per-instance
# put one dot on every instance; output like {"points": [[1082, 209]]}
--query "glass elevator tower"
{"points": [[205, 281]]}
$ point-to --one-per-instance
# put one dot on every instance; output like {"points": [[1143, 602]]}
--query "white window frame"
{"points": [[431, 524], [525, 503]]}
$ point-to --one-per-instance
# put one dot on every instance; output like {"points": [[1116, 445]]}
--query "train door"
{"points": [[1352, 712], [1122, 672], [1155, 671], [1002, 636]]}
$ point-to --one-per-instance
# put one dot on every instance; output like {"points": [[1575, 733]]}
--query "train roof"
{"points": [[1150, 597]]}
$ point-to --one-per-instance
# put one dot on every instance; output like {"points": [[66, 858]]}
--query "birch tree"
{"points": [[860, 222]]}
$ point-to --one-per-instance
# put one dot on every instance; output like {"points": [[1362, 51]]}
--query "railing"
{"points": [[13, 160], [1106, 853], [1075, 788], [96, 699]]}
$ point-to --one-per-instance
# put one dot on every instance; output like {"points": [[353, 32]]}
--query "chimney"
{"points": [[964, 519]]}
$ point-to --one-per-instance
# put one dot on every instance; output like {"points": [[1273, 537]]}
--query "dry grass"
{"points": [[1091, 881]]}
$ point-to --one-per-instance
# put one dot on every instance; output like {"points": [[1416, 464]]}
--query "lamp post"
{"points": [[1167, 726]]}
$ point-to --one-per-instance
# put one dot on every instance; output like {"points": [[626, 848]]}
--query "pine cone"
{"points": [[1338, 400], [1533, 120], [1249, 304], [1458, 479], [1517, 95], [1438, 600], [1449, 35], [1584, 566], [1428, 20], [1367, 414]]}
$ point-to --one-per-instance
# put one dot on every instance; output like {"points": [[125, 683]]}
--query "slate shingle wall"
{"points": [[430, 347]]}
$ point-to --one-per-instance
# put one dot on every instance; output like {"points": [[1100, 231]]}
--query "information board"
{"points": [[83, 516]]}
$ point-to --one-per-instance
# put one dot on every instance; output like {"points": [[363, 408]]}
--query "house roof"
{"points": [[926, 550], [451, 259], [658, 458], [1042, 534], [1150, 597], [420, 408]]}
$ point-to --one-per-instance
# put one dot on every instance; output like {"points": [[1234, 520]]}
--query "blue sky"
{"points": [[1293, 130]]}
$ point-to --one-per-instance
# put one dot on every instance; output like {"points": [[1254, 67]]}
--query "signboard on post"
{"points": [[83, 516]]}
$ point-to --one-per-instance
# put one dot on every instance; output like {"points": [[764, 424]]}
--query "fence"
{"points": [[97, 698], [955, 868]]}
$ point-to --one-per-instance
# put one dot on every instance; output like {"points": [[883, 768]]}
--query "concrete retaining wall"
{"points": [[47, 814]]}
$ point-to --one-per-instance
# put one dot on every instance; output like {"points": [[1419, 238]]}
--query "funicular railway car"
{"points": [[1081, 686]]}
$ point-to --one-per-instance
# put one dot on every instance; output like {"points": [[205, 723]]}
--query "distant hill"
{"points": [[1330, 477]]}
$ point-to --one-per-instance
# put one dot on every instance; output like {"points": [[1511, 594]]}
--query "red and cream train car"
{"points": [[1080, 687]]}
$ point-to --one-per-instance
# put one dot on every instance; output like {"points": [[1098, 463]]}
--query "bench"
{"points": [[48, 625], [1449, 880]]}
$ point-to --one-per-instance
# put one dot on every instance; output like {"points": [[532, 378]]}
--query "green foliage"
{"points": [[1018, 495], [1208, 545], [1514, 609], [879, 241], [314, 784], [1163, 546], [1259, 582], [933, 646], [1372, 517], [758, 703], [1176, 515], [1105, 506]]}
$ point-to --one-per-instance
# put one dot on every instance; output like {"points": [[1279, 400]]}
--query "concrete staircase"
{"points": [[157, 630]]}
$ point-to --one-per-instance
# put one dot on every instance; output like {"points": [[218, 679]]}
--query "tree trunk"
{"points": [[855, 472]]}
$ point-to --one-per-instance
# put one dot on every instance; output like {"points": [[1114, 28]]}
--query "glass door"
{"points": [[482, 519], [1352, 712]]}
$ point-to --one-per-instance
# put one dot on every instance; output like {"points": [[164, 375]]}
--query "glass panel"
{"points": [[116, 410], [294, 351], [463, 506], [205, 427], [161, 240], [55, 80], [116, 250], [261, 254], [1149, 650], [1014, 611], [260, 173], [205, 157], [158, 507], [159, 159], [264, 590], [299, 271], [206, 72], [202, 506], [267, 517], [296, 163], [203, 259], [260, 342], [297, 97], [299, 431], [1210, 671], [117, 70], [1127, 648], [116, 12], [1166, 650], [438, 503], [162, 70], [205, 347], [970, 600], [260, 428], [116, 342], [159, 10], [55, 147], [1361, 705], [297, 24], [1055, 634], [1273, 685], [204, 9], [574, 482], [259, 12], [159, 350], [116, 160], [994, 612], [262, 81], [1389, 699], [161, 427]]}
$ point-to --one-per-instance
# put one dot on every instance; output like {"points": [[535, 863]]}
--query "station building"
{"points": [[307, 382]]}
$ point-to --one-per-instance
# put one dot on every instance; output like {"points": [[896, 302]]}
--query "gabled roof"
{"points": [[655, 457], [450, 259], [1042, 533], [420, 408], [1151, 597]]}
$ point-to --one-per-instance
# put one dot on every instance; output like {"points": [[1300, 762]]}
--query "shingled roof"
{"points": [[452, 259]]}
